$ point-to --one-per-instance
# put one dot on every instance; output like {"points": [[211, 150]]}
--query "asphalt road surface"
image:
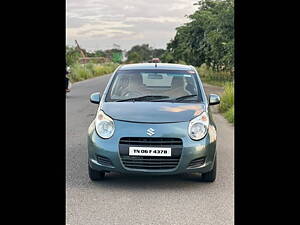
{"points": [[142, 200]]}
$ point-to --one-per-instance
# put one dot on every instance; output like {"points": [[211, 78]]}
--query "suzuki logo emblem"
{"points": [[150, 131]]}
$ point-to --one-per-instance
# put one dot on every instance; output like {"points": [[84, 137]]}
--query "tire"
{"points": [[211, 175], [96, 175]]}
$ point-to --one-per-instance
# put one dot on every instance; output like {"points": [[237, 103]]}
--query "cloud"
{"points": [[160, 19], [125, 21], [106, 29]]}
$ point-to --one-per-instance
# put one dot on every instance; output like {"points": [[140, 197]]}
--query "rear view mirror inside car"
{"points": [[155, 76]]}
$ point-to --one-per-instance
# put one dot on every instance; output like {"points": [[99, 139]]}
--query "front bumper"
{"points": [[191, 150]]}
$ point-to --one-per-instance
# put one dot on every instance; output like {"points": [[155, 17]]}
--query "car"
{"points": [[153, 120]]}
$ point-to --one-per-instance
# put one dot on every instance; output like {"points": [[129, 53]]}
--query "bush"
{"points": [[227, 99], [229, 115], [219, 78], [182, 62], [81, 72], [227, 102]]}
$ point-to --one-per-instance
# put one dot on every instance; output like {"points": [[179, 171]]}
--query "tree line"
{"points": [[137, 54], [207, 39], [73, 54], [143, 53]]}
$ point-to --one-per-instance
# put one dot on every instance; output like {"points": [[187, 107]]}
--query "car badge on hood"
{"points": [[150, 132]]}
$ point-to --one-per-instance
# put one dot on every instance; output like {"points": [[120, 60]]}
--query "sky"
{"points": [[98, 24]]}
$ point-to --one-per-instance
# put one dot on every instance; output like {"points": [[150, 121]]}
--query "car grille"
{"points": [[104, 161], [150, 162], [196, 163]]}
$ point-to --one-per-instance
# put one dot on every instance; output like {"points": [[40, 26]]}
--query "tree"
{"points": [[167, 57], [208, 37], [100, 53], [142, 52], [134, 57], [109, 53], [158, 52], [72, 55]]}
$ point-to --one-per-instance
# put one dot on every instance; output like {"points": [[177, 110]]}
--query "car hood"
{"points": [[152, 112]]}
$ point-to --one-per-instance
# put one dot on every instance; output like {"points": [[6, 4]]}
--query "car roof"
{"points": [[164, 66]]}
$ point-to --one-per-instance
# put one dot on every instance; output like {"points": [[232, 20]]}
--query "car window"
{"points": [[136, 83]]}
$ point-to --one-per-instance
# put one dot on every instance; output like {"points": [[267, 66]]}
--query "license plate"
{"points": [[149, 151]]}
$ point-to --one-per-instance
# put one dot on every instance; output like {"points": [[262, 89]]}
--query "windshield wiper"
{"points": [[183, 97], [142, 98]]}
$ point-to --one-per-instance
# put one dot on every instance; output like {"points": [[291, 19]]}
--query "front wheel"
{"points": [[95, 174], [211, 175]]}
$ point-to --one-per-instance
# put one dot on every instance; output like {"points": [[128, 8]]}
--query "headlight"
{"points": [[105, 126], [198, 127]]}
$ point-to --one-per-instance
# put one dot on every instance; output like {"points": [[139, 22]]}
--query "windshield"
{"points": [[154, 85]]}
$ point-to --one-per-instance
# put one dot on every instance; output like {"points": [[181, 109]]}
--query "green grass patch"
{"points": [[229, 115], [227, 102], [227, 99], [218, 78], [81, 72]]}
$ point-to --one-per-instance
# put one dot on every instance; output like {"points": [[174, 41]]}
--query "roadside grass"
{"points": [[227, 99], [217, 78], [229, 115], [227, 102], [81, 72], [222, 79]]}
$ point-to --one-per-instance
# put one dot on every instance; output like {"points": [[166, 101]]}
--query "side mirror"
{"points": [[95, 98], [214, 99]]}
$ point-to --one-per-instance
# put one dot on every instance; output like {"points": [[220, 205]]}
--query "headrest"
{"points": [[124, 81], [177, 82], [136, 79]]}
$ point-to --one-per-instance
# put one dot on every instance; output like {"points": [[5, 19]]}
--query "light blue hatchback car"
{"points": [[153, 118]]}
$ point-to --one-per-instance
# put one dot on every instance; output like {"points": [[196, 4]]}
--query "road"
{"points": [[129, 200]]}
